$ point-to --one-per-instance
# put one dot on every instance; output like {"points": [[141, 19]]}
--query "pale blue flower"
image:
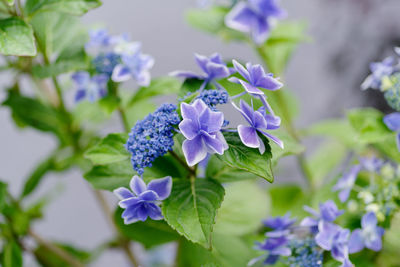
{"points": [[90, 88]]}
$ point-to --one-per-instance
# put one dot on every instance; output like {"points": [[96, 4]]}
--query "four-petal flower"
{"points": [[143, 201], [91, 88], [346, 183]]}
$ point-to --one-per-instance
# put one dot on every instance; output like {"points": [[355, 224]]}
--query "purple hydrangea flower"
{"points": [[213, 67], [258, 123], [143, 201], [98, 39], [255, 17], [333, 238], [279, 223], [328, 213], [379, 70], [277, 244], [369, 236], [371, 164], [90, 88], [202, 130], [134, 65], [152, 137], [346, 183], [392, 121], [105, 63]]}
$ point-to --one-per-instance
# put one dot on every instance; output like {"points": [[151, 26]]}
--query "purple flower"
{"points": [[328, 213], [255, 17], [201, 128], [91, 88], [279, 223], [143, 201], [392, 121], [98, 39], [134, 65], [371, 164], [346, 183], [213, 67], [277, 245], [379, 70], [333, 238], [258, 123], [369, 236]]}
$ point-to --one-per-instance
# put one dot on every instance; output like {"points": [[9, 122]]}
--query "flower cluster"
{"points": [[256, 17], [152, 137], [115, 58], [90, 88], [143, 201]]}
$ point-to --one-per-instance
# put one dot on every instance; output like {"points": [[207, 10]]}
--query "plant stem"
{"points": [[56, 250], [301, 159], [123, 242], [124, 119], [190, 170]]}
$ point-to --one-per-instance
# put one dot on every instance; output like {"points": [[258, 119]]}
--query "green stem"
{"points": [[124, 119], [288, 124], [191, 171]]}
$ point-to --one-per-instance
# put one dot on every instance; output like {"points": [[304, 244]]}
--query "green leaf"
{"points": [[368, 124], [238, 215], [287, 198], [10, 2], [158, 86], [192, 207], [3, 194], [280, 45], [12, 255], [218, 170], [249, 159], [111, 149], [292, 147], [111, 176], [16, 38], [139, 110], [149, 233], [59, 67], [73, 7], [31, 112], [48, 258], [189, 86]]}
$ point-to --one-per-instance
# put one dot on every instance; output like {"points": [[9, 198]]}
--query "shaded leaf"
{"points": [[12, 255], [110, 149], [16, 38], [73, 7]]}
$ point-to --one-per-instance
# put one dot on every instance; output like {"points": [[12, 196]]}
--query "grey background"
{"points": [[325, 74]]}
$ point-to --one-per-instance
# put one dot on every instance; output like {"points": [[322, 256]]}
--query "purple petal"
{"points": [[148, 195], [143, 79], [137, 185], [249, 111], [211, 121], [200, 106], [214, 144], [217, 70], [216, 58], [81, 77], [374, 241], [260, 30], [123, 193], [240, 18], [271, 259], [325, 237], [251, 89], [242, 70], [275, 139], [309, 222], [344, 194], [129, 202], [248, 119], [249, 136], [80, 94], [194, 150], [121, 73], [259, 121], [269, 83], [189, 128], [261, 148], [189, 112], [369, 220], [398, 141], [161, 186], [154, 212], [202, 62], [392, 121], [356, 241], [186, 74], [142, 213]]}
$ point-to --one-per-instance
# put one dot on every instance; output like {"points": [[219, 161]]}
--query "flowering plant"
{"points": [[197, 172]]}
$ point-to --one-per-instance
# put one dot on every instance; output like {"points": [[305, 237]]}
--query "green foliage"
{"points": [[292, 147], [287, 198], [149, 233], [245, 206], [31, 112], [249, 159], [280, 45], [48, 258], [16, 38], [3, 194], [111, 149], [73, 7], [12, 255], [192, 207], [60, 67]]}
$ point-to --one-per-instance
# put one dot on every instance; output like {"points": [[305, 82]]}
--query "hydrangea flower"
{"points": [[258, 124], [105, 63], [392, 121], [346, 183], [214, 97], [98, 39], [328, 212], [369, 236], [279, 222], [213, 67], [136, 66], [202, 130], [255, 17], [277, 245], [333, 238], [152, 137], [90, 88], [305, 252], [371, 164], [143, 201]]}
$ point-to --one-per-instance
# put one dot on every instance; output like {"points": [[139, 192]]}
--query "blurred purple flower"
{"points": [[213, 67], [328, 212], [346, 183], [392, 121], [143, 201], [98, 39], [255, 17], [279, 223], [90, 88], [134, 66], [333, 238], [202, 130], [258, 123], [369, 236], [371, 164], [379, 70], [277, 245]]}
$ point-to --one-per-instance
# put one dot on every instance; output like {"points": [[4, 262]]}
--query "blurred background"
{"points": [[325, 74]]}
